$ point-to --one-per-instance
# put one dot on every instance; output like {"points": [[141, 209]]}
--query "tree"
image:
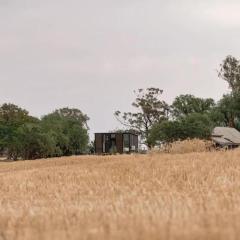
{"points": [[10, 113], [150, 110], [74, 114], [12, 118], [194, 125], [185, 105], [68, 127], [63, 132], [78, 139], [230, 72], [229, 109], [35, 143], [229, 106]]}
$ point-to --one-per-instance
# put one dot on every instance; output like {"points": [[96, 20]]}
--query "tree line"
{"points": [[64, 132], [188, 116], [61, 133]]}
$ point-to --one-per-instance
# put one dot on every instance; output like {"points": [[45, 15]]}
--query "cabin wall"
{"points": [[105, 142], [98, 143], [135, 142], [119, 142]]}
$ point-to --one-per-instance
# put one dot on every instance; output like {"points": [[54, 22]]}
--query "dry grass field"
{"points": [[155, 196]]}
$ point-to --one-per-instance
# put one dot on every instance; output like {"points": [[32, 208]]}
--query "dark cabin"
{"points": [[109, 143]]}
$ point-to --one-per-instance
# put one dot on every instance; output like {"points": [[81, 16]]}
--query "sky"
{"points": [[93, 54]]}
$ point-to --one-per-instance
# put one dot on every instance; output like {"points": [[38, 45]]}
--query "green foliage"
{"points": [[230, 72], [73, 114], [34, 142], [11, 119], [194, 125], [194, 117], [228, 110], [184, 105], [63, 132], [229, 106], [68, 127]]}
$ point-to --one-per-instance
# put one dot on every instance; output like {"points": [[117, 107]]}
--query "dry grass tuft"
{"points": [[186, 146], [167, 196]]}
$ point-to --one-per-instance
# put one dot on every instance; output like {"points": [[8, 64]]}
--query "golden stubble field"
{"points": [[156, 196]]}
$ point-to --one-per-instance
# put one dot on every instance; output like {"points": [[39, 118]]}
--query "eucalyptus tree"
{"points": [[149, 109]]}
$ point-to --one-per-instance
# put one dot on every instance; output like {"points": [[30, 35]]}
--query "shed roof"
{"points": [[226, 136]]}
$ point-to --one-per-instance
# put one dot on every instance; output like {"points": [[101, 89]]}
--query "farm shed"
{"points": [[107, 143], [226, 137]]}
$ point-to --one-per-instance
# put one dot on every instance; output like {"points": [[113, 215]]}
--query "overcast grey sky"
{"points": [[92, 54]]}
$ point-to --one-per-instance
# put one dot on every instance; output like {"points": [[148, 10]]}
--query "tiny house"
{"points": [[109, 143]]}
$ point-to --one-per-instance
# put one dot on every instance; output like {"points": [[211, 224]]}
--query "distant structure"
{"points": [[226, 137], [110, 143]]}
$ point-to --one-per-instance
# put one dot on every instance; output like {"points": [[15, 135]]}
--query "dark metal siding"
{"points": [[119, 142], [98, 143], [135, 142]]}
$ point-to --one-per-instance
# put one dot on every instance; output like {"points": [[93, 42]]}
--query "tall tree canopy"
{"points": [[184, 105], [12, 114], [230, 72], [228, 109], [68, 127], [74, 114], [150, 109], [229, 105]]}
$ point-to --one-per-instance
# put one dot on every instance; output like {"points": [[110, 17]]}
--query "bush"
{"points": [[190, 127]]}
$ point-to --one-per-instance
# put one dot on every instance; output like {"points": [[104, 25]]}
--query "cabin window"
{"points": [[132, 143], [113, 136]]}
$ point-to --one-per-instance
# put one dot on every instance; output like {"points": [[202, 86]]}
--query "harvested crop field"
{"points": [[156, 196]]}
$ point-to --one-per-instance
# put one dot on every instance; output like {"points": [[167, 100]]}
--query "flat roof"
{"points": [[117, 133]]}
